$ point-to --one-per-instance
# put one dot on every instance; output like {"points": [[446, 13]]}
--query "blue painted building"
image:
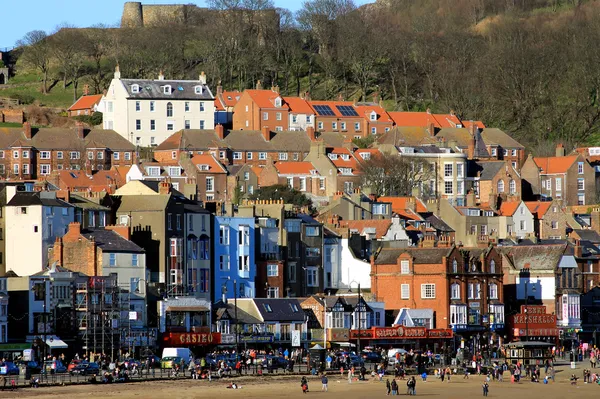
{"points": [[234, 257]]}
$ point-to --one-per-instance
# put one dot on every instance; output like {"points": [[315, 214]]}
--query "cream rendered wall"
{"points": [[353, 270], [116, 94], [23, 245], [301, 123]]}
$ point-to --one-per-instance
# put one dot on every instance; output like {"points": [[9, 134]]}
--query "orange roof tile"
{"points": [[299, 105], [230, 98], [508, 208], [423, 119], [340, 162], [208, 159], [122, 172], [399, 203], [294, 168], [381, 226], [551, 165], [266, 98], [408, 214], [538, 208], [382, 115], [257, 170], [219, 104], [86, 102], [77, 180], [478, 124]]}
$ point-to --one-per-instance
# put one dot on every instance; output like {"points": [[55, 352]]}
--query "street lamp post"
{"points": [[358, 311], [224, 290], [527, 310]]}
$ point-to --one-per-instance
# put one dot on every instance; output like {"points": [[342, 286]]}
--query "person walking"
{"points": [[448, 373], [486, 388], [394, 387], [304, 384], [350, 375], [388, 386]]}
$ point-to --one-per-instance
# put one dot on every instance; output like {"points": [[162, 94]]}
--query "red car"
{"points": [[73, 364]]}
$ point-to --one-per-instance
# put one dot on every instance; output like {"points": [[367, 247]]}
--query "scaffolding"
{"points": [[98, 309]]}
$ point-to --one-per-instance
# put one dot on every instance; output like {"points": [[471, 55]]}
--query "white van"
{"points": [[392, 354], [183, 353]]}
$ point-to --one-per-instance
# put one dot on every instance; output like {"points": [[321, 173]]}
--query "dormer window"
{"points": [[167, 89], [333, 156], [373, 116], [198, 89], [345, 157], [135, 88], [204, 167], [278, 102]]}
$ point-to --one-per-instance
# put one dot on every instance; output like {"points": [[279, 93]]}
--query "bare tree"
{"points": [[37, 54], [392, 174]]}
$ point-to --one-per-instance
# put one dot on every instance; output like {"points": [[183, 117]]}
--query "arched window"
{"points": [[500, 186], [492, 266], [454, 266], [455, 291], [192, 247], [512, 186], [169, 110]]}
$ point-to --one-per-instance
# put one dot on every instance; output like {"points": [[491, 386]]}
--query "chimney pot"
{"points": [[27, 130], [202, 78], [220, 131], [161, 75], [310, 131], [258, 85]]}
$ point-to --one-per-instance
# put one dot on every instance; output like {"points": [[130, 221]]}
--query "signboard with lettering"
{"points": [[257, 338], [402, 332], [295, 338], [192, 339], [339, 334]]}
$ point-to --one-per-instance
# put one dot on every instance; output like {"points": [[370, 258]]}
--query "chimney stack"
{"points": [[431, 129], [164, 187], [80, 130], [258, 85], [117, 74], [219, 89], [310, 131], [266, 133], [27, 130], [307, 96], [560, 150], [86, 90], [161, 75], [202, 78], [220, 131], [472, 143], [340, 97]]}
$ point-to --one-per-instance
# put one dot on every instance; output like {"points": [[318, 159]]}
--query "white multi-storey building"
{"points": [[146, 112]]}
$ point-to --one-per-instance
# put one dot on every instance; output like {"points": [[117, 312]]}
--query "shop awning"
{"points": [[56, 343], [187, 309]]}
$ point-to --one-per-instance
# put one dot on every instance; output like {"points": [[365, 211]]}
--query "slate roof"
{"points": [[588, 235], [438, 223], [487, 169], [64, 139], [43, 198], [180, 89], [111, 241], [538, 257], [419, 255], [282, 309]]}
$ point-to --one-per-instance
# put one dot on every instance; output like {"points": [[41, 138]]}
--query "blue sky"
{"points": [[19, 17]]}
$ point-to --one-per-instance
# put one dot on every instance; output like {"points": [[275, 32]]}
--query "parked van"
{"points": [[183, 353], [392, 354]]}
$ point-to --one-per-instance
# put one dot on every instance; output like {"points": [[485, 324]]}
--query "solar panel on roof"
{"points": [[324, 110], [347, 110]]}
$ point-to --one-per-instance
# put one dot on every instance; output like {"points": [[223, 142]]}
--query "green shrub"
{"points": [[23, 98], [93, 120]]}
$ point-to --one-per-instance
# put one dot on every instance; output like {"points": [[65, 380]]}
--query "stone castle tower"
{"points": [[138, 15]]}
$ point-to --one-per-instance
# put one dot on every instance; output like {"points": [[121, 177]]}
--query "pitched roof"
{"points": [[400, 203], [389, 256], [534, 256], [180, 89], [340, 162], [266, 98], [463, 137], [111, 241], [227, 99], [44, 198], [380, 226], [487, 169], [407, 136], [282, 309], [105, 180], [299, 105], [423, 119], [588, 235], [508, 208], [495, 136], [538, 208], [64, 139], [208, 159], [365, 111], [141, 203], [85, 102], [438, 223], [294, 168], [552, 165], [477, 124]]}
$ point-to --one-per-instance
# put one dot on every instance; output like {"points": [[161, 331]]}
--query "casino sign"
{"points": [[191, 339], [401, 332]]}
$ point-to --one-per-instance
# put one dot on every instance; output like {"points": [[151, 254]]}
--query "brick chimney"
{"points": [[471, 198], [219, 89], [266, 133], [560, 150], [80, 130], [161, 75], [74, 231], [57, 252], [123, 231], [340, 97], [431, 129], [164, 187], [595, 220], [310, 131], [27, 130], [220, 131], [307, 96], [202, 78], [578, 249], [471, 146], [258, 85]]}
